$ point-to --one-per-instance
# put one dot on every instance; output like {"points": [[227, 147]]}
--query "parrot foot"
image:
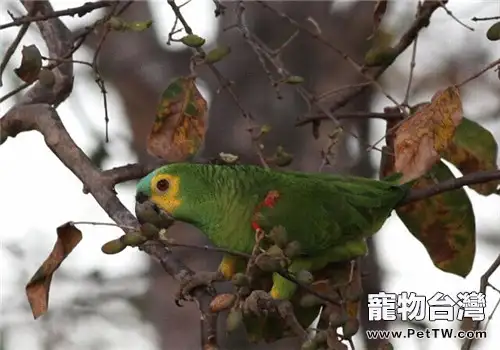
{"points": [[196, 280], [260, 303]]}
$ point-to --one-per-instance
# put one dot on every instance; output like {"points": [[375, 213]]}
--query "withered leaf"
{"points": [[444, 223], [37, 289], [421, 138], [179, 127], [31, 64], [473, 149]]}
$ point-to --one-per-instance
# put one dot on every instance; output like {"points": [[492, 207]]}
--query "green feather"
{"points": [[321, 211]]}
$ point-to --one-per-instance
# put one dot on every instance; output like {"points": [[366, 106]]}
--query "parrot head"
{"points": [[172, 191]]}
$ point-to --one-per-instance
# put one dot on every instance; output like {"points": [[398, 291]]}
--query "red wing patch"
{"points": [[269, 202]]}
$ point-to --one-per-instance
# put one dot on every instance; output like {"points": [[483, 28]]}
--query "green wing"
{"points": [[321, 210]]}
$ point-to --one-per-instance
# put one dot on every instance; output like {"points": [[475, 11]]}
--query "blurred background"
{"points": [[126, 301]]}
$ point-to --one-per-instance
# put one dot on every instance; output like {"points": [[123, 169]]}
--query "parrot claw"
{"points": [[198, 279]]}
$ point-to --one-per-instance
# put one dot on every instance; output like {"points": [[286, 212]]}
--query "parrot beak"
{"points": [[148, 212]]}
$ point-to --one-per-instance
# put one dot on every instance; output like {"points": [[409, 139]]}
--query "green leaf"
{"points": [[294, 79], [193, 40], [31, 64], [474, 149], [118, 24], [179, 127], [444, 223], [217, 54], [493, 33]]}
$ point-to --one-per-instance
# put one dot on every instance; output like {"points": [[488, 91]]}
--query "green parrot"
{"points": [[329, 215]]}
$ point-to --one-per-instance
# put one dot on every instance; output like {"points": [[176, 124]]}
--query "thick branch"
{"points": [[35, 112], [43, 118], [59, 41]]}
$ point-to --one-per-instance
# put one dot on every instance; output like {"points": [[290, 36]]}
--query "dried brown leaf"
{"points": [[420, 139], [31, 64], [37, 289]]}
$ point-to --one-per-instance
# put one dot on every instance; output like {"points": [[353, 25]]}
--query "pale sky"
{"points": [[31, 215]]}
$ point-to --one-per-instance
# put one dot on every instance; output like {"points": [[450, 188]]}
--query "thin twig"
{"points": [[351, 115], [93, 223], [475, 19], [80, 11], [273, 56], [11, 49], [225, 83], [482, 289], [316, 35], [481, 72], [412, 65], [455, 18]]}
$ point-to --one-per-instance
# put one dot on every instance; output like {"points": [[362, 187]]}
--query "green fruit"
{"points": [[275, 251], [149, 231], [310, 300], [279, 236], [265, 128], [193, 40], [267, 263], [217, 54], [116, 23], [304, 277], [113, 247], [234, 320], [293, 249], [133, 239], [350, 328], [240, 280], [493, 33], [294, 79], [338, 318], [282, 158], [244, 291]]}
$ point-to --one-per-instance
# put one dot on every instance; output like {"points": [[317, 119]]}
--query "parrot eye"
{"points": [[162, 185]]}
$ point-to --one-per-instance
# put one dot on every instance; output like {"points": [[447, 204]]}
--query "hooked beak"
{"points": [[148, 212]]}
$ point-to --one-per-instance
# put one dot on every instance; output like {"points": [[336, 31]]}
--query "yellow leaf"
{"points": [[179, 127], [421, 138]]}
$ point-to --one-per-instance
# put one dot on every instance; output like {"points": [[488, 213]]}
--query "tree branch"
{"points": [[35, 112], [452, 184], [80, 11], [422, 21], [482, 289]]}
